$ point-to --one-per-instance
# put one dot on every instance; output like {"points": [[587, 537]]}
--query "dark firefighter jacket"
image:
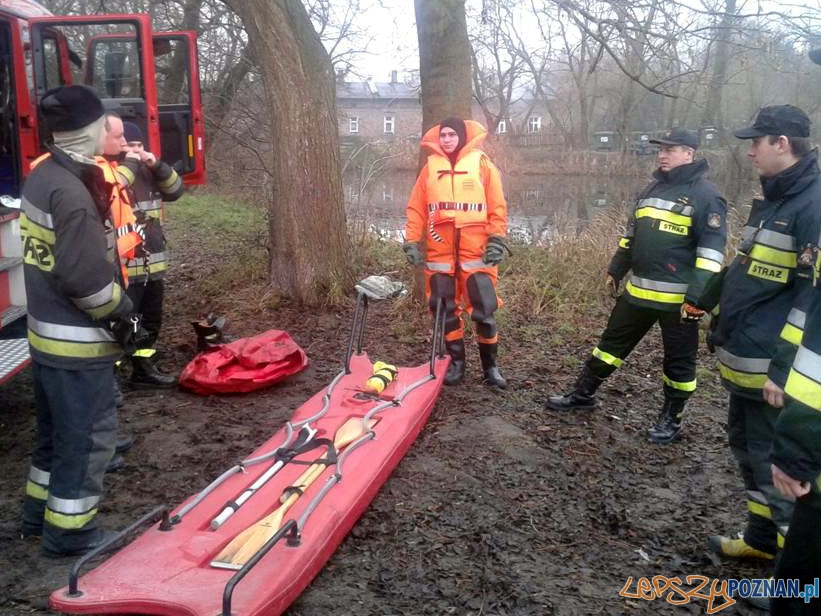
{"points": [[149, 188], [70, 264], [767, 288], [797, 442], [674, 242]]}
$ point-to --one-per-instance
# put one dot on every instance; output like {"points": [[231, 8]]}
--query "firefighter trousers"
{"points": [[800, 560], [147, 298], [76, 435], [628, 324], [750, 431]]}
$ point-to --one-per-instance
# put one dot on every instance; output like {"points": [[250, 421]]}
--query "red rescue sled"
{"points": [[169, 569]]}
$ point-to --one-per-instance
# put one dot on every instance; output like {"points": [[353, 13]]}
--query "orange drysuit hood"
{"points": [[476, 134]]}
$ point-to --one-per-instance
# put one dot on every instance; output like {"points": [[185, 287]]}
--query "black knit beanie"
{"points": [[70, 108]]}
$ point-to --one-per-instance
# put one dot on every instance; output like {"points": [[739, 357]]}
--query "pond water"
{"points": [[538, 206]]}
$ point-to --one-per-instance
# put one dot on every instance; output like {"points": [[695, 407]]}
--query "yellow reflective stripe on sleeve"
{"points": [[654, 296], [144, 353], [792, 334], [607, 358], [657, 214], [742, 379], [169, 181], [779, 540], [69, 522], [153, 268], [62, 348], [36, 491], [29, 227], [680, 385], [126, 174], [624, 242], [110, 306], [773, 256], [758, 509], [708, 264], [803, 389]]}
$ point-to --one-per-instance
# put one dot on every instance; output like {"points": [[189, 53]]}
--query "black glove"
{"points": [[129, 334], [495, 250], [413, 253]]}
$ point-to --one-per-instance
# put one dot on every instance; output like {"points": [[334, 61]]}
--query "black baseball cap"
{"points": [[678, 136], [777, 120], [815, 56]]}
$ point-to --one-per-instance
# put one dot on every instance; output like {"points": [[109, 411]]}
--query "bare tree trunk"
{"points": [[444, 60], [309, 240], [713, 112]]}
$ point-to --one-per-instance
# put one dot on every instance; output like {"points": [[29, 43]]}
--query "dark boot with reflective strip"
{"points": [[456, 370], [146, 375], [488, 353], [667, 428], [581, 397]]}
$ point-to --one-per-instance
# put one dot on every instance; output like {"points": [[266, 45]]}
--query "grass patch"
{"points": [[229, 240]]}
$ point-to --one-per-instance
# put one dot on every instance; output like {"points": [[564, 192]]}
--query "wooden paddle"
{"points": [[248, 542]]}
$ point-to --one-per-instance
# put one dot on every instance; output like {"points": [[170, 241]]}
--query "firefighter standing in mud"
{"points": [[141, 181], [78, 311], [149, 182], [764, 295], [457, 209], [796, 455], [674, 244]]}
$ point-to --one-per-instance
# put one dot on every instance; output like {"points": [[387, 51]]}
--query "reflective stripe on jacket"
{"points": [[674, 241], [69, 262]]}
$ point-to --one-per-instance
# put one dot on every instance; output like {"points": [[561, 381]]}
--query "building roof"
{"points": [[370, 90]]}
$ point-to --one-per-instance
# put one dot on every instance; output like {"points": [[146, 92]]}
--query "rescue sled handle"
{"points": [[357, 337], [151, 516], [289, 528]]}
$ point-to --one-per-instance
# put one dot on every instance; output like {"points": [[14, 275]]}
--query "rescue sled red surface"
{"points": [[169, 570]]}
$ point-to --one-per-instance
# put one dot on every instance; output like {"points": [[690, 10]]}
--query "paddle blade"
{"points": [[350, 431]]}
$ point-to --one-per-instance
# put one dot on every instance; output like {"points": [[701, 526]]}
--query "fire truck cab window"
{"points": [[171, 71]]}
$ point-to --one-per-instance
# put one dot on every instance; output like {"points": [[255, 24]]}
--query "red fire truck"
{"points": [[149, 78]]}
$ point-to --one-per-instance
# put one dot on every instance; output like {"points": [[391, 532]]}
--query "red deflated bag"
{"points": [[244, 365]]}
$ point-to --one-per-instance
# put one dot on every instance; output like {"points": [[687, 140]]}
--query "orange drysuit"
{"points": [[454, 208]]}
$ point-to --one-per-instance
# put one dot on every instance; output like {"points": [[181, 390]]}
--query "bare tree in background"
{"points": [[498, 70], [309, 242], [444, 60]]}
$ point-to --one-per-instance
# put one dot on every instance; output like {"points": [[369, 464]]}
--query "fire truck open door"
{"points": [[113, 54], [178, 99]]}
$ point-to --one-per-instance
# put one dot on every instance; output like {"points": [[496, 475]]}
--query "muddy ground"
{"points": [[498, 509]]}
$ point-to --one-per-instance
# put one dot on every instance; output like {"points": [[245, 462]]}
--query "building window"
{"points": [[353, 125], [534, 124], [501, 127], [389, 123]]}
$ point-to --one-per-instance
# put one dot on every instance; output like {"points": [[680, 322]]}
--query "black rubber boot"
{"points": [[581, 397], [146, 375], [493, 377], [456, 370], [668, 426]]}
